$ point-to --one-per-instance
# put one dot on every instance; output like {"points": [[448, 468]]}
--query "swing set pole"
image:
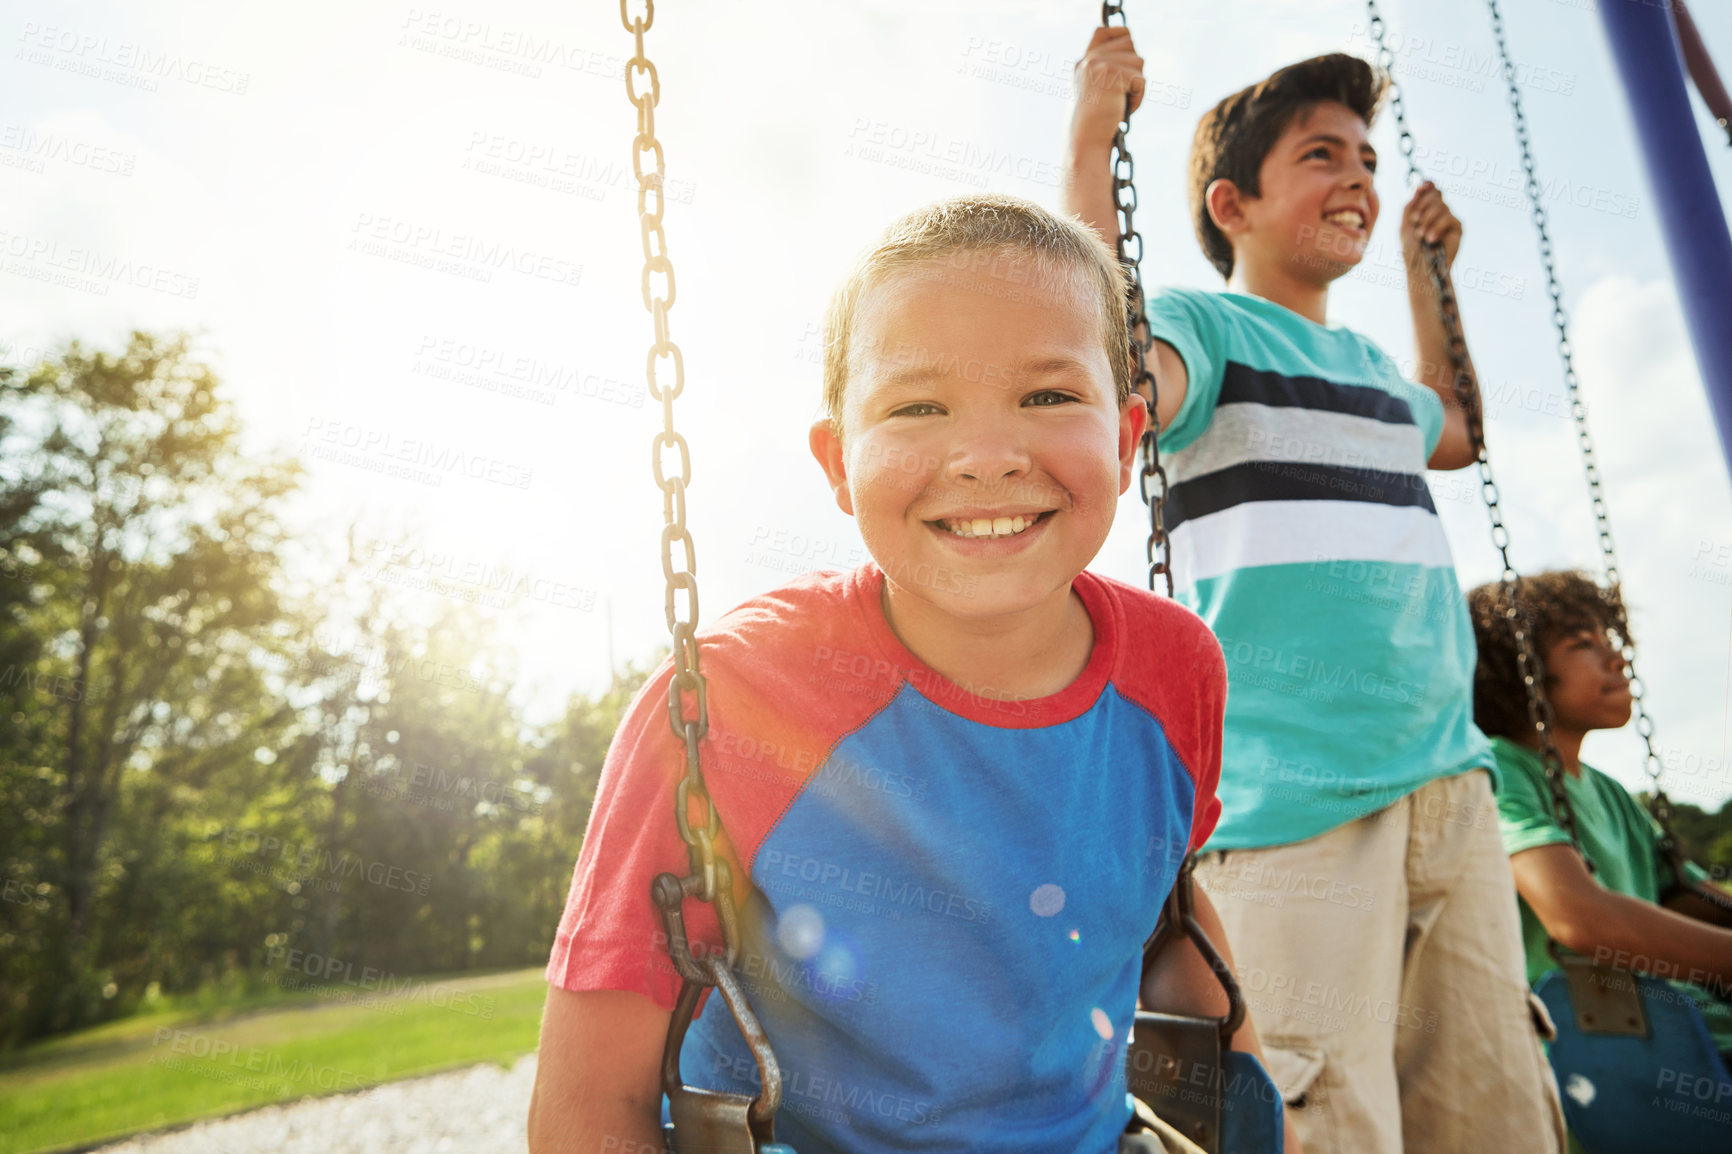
{"points": [[1645, 45]]}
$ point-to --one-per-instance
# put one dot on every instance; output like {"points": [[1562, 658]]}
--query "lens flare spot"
{"points": [[800, 932], [1046, 900], [1076, 937], [837, 965], [1103, 1024]]}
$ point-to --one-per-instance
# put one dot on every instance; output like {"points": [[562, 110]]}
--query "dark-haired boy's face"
{"points": [[1585, 682], [1317, 204]]}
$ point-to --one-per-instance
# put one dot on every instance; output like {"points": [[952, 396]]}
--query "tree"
{"points": [[211, 755], [153, 541]]}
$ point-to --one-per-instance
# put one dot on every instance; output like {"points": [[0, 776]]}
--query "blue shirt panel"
{"points": [[935, 969]]}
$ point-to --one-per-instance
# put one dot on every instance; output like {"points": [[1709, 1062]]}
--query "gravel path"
{"points": [[479, 1110]]}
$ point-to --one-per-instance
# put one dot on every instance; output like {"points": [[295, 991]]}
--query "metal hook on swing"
{"points": [[710, 1120]]}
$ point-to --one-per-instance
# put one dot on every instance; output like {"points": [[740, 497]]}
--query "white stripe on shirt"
{"points": [[1243, 433], [1304, 532]]}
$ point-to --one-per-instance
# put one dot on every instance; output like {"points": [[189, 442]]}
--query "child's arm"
{"points": [[598, 1074], [1108, 71], [1181, 983], [1615, 929], [1428, 219], [1690, 902]]}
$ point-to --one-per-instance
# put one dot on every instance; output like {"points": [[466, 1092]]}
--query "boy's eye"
{"points": [[1321, 150], [918, 409], [1047, 398]]}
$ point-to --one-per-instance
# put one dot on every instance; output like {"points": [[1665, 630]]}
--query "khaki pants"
{"points": [[1382, 964]]}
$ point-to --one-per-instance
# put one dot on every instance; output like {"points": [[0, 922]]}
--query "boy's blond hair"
{"points": [[984, 232]]}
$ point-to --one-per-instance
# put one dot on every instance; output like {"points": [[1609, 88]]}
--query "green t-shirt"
{"points": [[1617, 835], [1300, 528]]}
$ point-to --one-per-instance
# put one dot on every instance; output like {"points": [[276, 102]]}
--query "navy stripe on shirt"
{"points": [[1292, 481], [1242, 385]]}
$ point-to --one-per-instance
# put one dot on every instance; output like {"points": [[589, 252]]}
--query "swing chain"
{"points": [[710, 879], [1153, 479], [1528, 665], [688, 692], [1179, 916], [1661, 805]]}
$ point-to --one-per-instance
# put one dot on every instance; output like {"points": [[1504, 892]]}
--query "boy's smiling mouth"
{"points": [[990, 527], [1346, 217]]}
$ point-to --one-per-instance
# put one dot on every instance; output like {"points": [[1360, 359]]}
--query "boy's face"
{"points": [[982, 447], [1318, 205], [1585, 682]]}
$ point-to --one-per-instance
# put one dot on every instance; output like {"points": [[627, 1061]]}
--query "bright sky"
{"points": [[409, 232]]}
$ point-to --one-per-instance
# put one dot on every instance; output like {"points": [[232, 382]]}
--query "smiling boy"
{"points": [[1356, 865], [956, 782]]}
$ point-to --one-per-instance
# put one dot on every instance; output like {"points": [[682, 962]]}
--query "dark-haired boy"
{"points": [[1632, 912], [1356, 866]]}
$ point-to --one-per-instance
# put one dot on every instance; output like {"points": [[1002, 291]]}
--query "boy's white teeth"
{"points": [[1346, 216], [988, 526]]}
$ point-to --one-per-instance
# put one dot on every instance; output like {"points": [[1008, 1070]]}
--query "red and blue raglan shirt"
{"points": [[949, 893]]}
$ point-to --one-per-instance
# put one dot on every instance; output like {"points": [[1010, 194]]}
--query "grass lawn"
{"points": [[167, 1068]]}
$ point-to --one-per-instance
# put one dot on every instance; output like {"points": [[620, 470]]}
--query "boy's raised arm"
{"points": [[598, 1074], [1107, 71]]}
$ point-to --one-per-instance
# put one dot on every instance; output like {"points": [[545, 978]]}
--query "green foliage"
{"points": [[211, 765], [1706, 837], [151, 544]]}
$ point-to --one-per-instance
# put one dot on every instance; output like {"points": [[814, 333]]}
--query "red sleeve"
{"points": [[774, 716], [1171, 665], [1204, 760], [611, 936]]}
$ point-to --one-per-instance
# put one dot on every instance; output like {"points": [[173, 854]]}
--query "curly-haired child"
{"points": [[1633, 911]]}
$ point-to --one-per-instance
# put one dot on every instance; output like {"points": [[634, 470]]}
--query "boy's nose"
{"points": [[987, 454]]}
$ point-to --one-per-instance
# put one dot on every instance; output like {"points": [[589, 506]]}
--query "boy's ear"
{"points": [[827, 448], [1226, 206], [1133, 420]]}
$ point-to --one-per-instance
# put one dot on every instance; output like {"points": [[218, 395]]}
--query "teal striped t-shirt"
{"points": [[1302, 531]]}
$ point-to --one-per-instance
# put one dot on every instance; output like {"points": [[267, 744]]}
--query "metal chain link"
{"points": [[1153, 480], [1178, 916], [710, 879], [643, 88], [1520, 619], [1661, 806]]}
